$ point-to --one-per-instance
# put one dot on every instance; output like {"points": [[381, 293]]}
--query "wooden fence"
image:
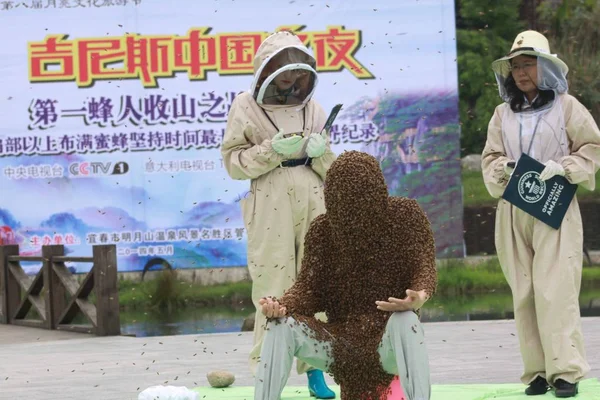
{"points": [[56, 295]]}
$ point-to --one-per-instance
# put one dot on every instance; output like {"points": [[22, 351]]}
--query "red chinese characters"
{"points": [[196, 54], [93, 57], [148, 57], [334, 50], [236, 52], [53, 50]]}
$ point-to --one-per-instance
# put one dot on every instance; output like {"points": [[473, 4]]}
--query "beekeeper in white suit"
{"points": [[274, 139], [542, 265]]}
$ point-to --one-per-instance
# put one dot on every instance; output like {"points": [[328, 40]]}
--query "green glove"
{"points": [[317, 144], [287, 146]]}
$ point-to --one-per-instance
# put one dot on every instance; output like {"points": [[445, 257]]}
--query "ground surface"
{"points": [[45, 365]]}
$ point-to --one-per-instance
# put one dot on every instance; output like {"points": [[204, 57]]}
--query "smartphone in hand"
{"points": [[289, 135]]}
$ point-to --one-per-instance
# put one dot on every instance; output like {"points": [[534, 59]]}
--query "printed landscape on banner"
{"points": [[113, 113]]}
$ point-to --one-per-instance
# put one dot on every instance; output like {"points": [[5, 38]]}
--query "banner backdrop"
{"points": [[112, 114]]}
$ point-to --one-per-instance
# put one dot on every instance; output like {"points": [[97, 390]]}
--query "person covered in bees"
{"points": [[275, 138], [369, 265], [543, 266]]}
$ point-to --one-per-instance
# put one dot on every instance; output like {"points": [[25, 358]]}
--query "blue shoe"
{"points": [[317, 387]]}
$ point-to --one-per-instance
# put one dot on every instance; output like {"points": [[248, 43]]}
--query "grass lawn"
{"points": [[456, 278], [166, 291], [475, 193]]}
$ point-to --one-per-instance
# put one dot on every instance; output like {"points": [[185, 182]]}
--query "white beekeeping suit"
{"points": [[542, 265], [286, 172]]}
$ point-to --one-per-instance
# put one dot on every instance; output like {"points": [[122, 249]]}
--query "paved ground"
{"points": [[11, 334], [43, 365]]}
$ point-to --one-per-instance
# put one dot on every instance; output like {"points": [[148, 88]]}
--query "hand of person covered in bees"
{"points": [[271, 308], [413, 301], [287, 145], [317, 144]]}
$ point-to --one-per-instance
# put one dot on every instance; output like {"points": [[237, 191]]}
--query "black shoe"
{"points": [[565, 389], [538, 386]]}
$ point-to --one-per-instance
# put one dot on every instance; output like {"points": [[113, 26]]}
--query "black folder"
{"points": [[547, 201]]}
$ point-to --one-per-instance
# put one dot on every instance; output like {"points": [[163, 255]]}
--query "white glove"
{"points": [[287, 146], [508, 170], [552, 169], [317, 144], [168, 393]]}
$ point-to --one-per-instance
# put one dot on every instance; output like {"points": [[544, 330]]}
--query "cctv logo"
{"points": [[90, 169]]}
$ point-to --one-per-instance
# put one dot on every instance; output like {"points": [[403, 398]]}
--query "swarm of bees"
{"points": [[364, 249]]}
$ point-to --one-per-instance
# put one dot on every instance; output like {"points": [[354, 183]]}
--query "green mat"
{"points": [[588, 390]]}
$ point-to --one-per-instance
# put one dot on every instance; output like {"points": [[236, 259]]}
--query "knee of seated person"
{"points": [[404, 318], [280, 323]]}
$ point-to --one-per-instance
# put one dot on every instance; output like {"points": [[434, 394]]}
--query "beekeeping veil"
{"points": [[283, 55], [552, 71], [538, 132]]}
